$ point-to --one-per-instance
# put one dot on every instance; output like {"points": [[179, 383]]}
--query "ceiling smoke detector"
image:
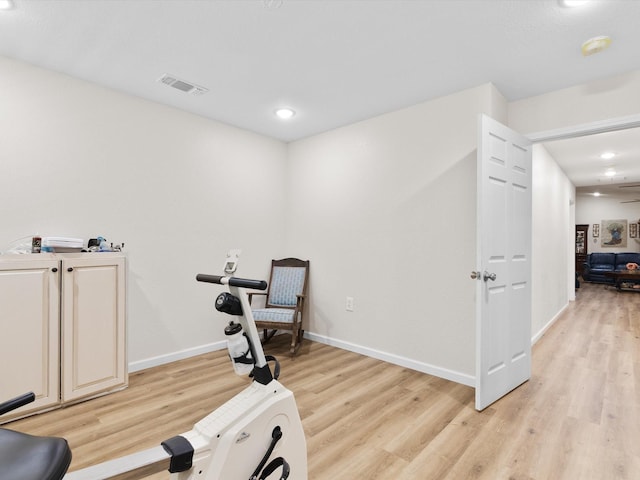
{"points": [[595, 45], [182, 85]]}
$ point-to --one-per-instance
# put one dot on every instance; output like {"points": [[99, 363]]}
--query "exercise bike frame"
{"points": [[234, 438]]}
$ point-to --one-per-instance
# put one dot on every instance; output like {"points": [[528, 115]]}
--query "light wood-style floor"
{"points": [[577, 418]]}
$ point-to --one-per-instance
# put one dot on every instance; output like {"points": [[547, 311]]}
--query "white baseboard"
{"points": [[440, 372], [174, 356], [454, 376], [542, 331], [457, 377]]}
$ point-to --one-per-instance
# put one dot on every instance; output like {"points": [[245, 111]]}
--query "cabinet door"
{"points": [[30, 323], [93, 325]]}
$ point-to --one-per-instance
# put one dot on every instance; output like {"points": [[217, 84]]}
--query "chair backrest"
{"points": [[288, 279]]}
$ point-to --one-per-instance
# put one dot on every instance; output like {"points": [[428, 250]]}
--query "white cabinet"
{"points": [[93, 350], [64, 331], [30, 326]]}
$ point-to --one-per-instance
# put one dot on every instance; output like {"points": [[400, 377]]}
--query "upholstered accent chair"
{"points": [[284, 305]]}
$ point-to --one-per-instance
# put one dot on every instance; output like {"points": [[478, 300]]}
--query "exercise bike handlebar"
{"points": [[16, 402], [233, 281]]}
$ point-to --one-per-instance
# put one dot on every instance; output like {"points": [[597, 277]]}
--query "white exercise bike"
{"points": [[257, 435]]}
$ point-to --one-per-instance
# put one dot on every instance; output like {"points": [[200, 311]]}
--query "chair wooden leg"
{"points": [[266, 335], [296, 347], [296, 339]]}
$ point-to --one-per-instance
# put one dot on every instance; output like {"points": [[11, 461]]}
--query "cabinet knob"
{"points": [[70, 269], [54, 269]]}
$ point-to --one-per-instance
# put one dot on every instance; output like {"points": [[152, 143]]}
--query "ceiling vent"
{"points": [[183, 86]]}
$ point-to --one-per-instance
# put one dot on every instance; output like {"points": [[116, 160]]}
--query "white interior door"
{"points": [[503, 316]]}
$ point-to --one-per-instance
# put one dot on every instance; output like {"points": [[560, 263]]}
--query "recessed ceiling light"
{"points": [[596, 194], [610, 172], [6, 4], [607, 155], [285, 113], [595, 45], [572, 3]]}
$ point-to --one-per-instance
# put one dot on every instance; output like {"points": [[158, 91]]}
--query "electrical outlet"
{"points": [[349, 304]]}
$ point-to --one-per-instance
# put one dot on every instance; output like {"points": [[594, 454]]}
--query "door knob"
{"points": [[489, 276], [475, 275]]}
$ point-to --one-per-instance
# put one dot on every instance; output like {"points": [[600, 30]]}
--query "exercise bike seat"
{"points": [[27, 457]]}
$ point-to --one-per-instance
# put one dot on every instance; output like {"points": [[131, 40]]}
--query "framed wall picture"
{"points": [[596, 229], [614, 233], [633, 230]]}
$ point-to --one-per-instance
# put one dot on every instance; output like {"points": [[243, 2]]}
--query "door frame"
{"points": [[585, 129]]}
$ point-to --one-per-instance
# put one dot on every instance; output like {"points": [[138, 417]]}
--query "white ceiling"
{"points": [[580, 159], [335, 62]]}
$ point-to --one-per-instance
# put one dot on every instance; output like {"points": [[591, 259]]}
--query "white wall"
{"points": [[592, 210], [385, 209], [553, 194], [609, 98], [79, 160]]}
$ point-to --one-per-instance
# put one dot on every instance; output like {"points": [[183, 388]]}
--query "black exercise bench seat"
{"points": [[27, 457]]}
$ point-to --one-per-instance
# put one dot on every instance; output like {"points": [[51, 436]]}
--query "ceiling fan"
{"points": [[635, 185]]}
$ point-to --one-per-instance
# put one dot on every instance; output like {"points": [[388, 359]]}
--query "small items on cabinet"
{"points": [[582, 246]]}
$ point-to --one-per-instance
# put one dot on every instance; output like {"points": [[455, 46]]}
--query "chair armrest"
{"points": [[586, 271], [251, 294]]}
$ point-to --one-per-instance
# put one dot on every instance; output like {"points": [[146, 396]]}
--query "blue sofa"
{"points": [[598, 263]]}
